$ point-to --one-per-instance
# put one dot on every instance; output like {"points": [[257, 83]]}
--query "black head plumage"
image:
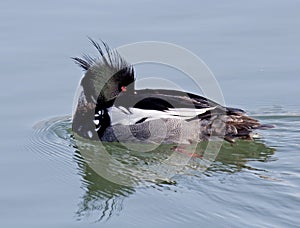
{"points": [[105, 75]]}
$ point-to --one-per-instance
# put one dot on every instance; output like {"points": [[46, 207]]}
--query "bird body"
{"points": [[109, 108]]}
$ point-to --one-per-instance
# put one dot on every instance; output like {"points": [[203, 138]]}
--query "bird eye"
{"points": [[123, 88]]}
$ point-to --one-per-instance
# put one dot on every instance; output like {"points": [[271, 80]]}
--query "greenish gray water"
{"points": [[251, 47]]}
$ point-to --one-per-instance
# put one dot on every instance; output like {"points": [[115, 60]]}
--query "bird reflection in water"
{"points": [[103, 197]]}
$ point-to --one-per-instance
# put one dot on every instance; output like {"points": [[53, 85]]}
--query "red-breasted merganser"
{"points": [[110, 109]]}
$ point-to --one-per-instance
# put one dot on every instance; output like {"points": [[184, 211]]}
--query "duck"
{"points": [[109, 108]]}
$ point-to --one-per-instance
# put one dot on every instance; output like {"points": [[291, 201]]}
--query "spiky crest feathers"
{"points": [[105, 74]]}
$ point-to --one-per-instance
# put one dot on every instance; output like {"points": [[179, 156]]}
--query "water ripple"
{"points": [[54, 140]]}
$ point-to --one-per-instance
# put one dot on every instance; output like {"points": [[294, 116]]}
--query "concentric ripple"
{"points": [[54, 139]]}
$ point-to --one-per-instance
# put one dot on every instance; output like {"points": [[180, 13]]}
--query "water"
{"points": [[253, 50]]}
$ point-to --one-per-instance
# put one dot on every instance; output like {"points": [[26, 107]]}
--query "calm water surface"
{"points": [[251, 47]]}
